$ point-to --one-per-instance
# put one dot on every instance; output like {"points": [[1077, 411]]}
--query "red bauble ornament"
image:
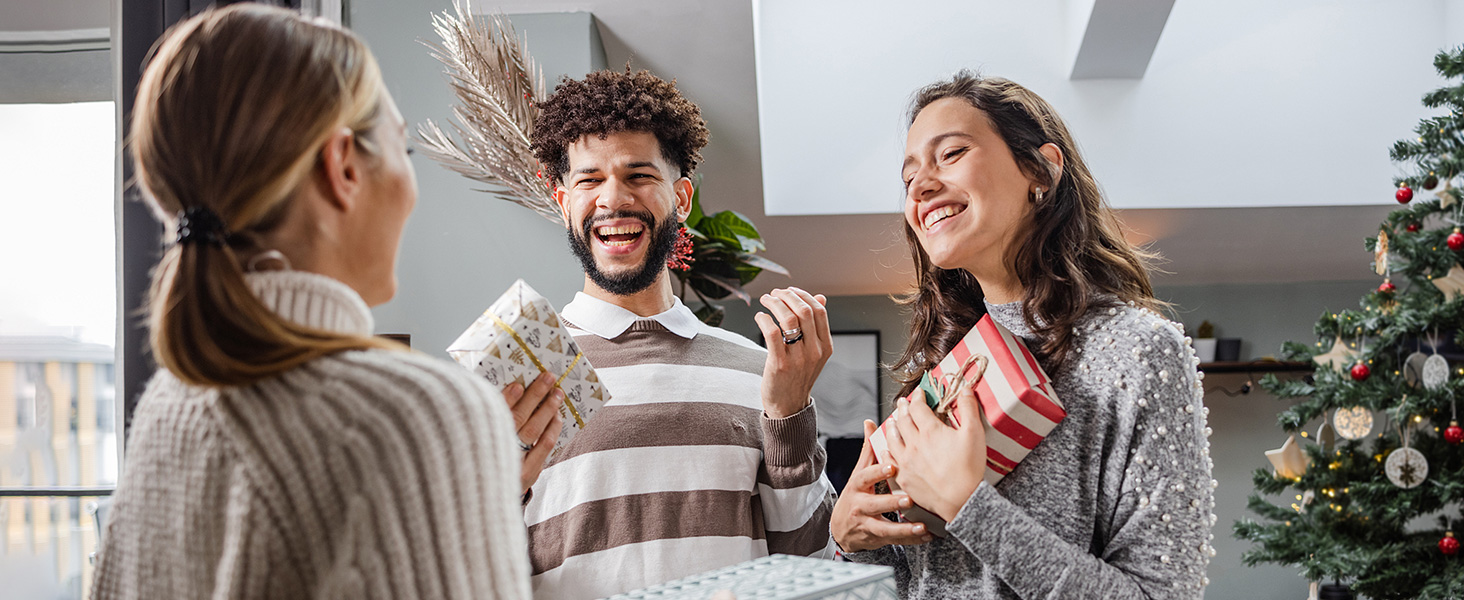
{"points": [[1404, 194], [1387, 288], [1449, 545], [1454, 433], [1455, 240], [1360, 372], [1412, 228]]}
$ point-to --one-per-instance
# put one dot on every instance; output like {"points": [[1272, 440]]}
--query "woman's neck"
{"points": [[999, 284]]}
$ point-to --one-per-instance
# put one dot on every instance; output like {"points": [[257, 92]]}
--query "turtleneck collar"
{"points": [[1010, 315], [313, 300]]}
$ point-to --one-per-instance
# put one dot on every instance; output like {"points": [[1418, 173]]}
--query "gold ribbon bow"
{"points": [[542, 369], [946, 386]]}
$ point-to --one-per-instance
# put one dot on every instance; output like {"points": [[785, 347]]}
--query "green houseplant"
{"points": [[724, 259]]}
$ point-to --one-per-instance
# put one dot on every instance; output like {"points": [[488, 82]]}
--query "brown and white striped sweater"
{"points": [[681, 472]]}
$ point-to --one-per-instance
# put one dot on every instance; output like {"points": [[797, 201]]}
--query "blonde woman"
{"points": [[282, 451]]}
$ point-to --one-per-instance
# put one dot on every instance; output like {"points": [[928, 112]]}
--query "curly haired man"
{"points": [[706, 455]]}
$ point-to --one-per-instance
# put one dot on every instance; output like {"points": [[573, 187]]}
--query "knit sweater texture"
{"points": [[1115, 503], [681, 472], [365, 474]]}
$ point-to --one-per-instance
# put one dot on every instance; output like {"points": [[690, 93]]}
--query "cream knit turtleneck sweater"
{"points": [[366, 474]]}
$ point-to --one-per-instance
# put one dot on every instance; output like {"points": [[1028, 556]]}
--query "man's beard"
{"points": [[661, 240]]}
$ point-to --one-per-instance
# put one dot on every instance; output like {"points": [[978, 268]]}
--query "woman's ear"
{"points": [[340, 169], [1054, 157]]}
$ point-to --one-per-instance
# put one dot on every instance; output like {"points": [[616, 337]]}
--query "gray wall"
{"points": [[462, 248]]}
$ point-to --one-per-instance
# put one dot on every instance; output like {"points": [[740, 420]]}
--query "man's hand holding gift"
{"points": [[798, 342], [537, 422]]}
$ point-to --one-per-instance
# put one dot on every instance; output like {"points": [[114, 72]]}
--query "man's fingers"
{"points": [[820, 324], [776, 304], [772, 336], [540, 419]]}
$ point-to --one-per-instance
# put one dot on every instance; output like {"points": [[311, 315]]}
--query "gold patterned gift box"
{"points": [[520, 336]]}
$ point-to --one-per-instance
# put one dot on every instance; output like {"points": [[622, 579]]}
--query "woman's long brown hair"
{"points": [[1072, 259], [231, 115]]}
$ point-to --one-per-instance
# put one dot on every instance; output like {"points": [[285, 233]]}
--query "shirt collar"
{"points": [[609, 321]]}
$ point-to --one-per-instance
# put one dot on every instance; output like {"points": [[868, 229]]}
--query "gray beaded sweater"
{"points": [[1115, 503]]}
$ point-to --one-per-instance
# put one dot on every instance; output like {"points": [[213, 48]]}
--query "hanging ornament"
{"points": [[1380, 253], [1412, 227], [1455, 241], [1353, 423], [1339, 357], [1404, 194], [1449, 545], [1387, 287], [1406, 467], [1430, 182], [1360, 372], [1413, 368], [1446, 195], [1327, 436], [1454, 434], [1435, 372], [1290, 462]]}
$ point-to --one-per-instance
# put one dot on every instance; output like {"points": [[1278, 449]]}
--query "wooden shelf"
{"points": [[1258, 366]]}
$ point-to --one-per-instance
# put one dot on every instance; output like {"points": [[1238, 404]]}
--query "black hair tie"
{"points": [[201, 224]]}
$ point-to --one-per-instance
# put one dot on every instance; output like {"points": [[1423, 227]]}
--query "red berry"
{"points": [[1412, 228], [1455, 240], [1387, 288], [1449, 545], [1404, 194], [1360, 372], [1454, 433]]}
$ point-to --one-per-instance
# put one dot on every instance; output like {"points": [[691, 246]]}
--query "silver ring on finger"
{"points": [[792, 336], [524, 446]]}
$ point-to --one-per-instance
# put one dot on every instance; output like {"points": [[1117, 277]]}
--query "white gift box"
{"points": [[521, 336], [781, 577]]}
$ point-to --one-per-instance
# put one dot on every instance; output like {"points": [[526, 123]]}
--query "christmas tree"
{"points": [[1377, 490]]}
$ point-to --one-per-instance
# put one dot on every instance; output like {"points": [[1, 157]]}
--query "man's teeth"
{"points": [[619, 230], [940, 214]]}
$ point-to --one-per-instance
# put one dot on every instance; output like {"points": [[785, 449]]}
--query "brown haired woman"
{"points": [[283, 452], [1003, 218]]}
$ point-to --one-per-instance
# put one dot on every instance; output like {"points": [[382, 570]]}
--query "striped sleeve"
{"points": [[797, 497]]}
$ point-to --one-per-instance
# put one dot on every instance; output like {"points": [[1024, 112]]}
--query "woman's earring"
{"points": [[1038, 194]]}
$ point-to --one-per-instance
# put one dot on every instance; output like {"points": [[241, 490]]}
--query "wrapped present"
{"points": [[521, 336], [781, 577], [1018, 404]]}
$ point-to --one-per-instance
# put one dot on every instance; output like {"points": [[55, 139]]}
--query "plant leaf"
{"points": [[730, 285], [763, 263]]}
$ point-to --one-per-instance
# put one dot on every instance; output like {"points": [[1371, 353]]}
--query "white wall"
{"points": [[1245, 102]]}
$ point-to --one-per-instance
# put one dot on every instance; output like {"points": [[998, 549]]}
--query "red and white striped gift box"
{"points": [[1018, 405]]}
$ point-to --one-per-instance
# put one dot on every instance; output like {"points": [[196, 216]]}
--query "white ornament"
{"points": [[1435, 372], [1406, 468], [1353, 423]]}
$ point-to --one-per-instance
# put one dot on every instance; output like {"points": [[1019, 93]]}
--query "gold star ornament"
{"points": [[1452, 284], [1339, 358]]}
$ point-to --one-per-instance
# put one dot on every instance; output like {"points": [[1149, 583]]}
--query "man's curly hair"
{"points": [[607, 102]]}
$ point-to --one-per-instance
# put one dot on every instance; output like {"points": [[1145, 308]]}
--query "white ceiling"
{"points": [[707, 45]]}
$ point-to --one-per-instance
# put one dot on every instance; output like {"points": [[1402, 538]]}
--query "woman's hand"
{"points": [[792, 368], [537, 422], [857, 523], [939, 465]]}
